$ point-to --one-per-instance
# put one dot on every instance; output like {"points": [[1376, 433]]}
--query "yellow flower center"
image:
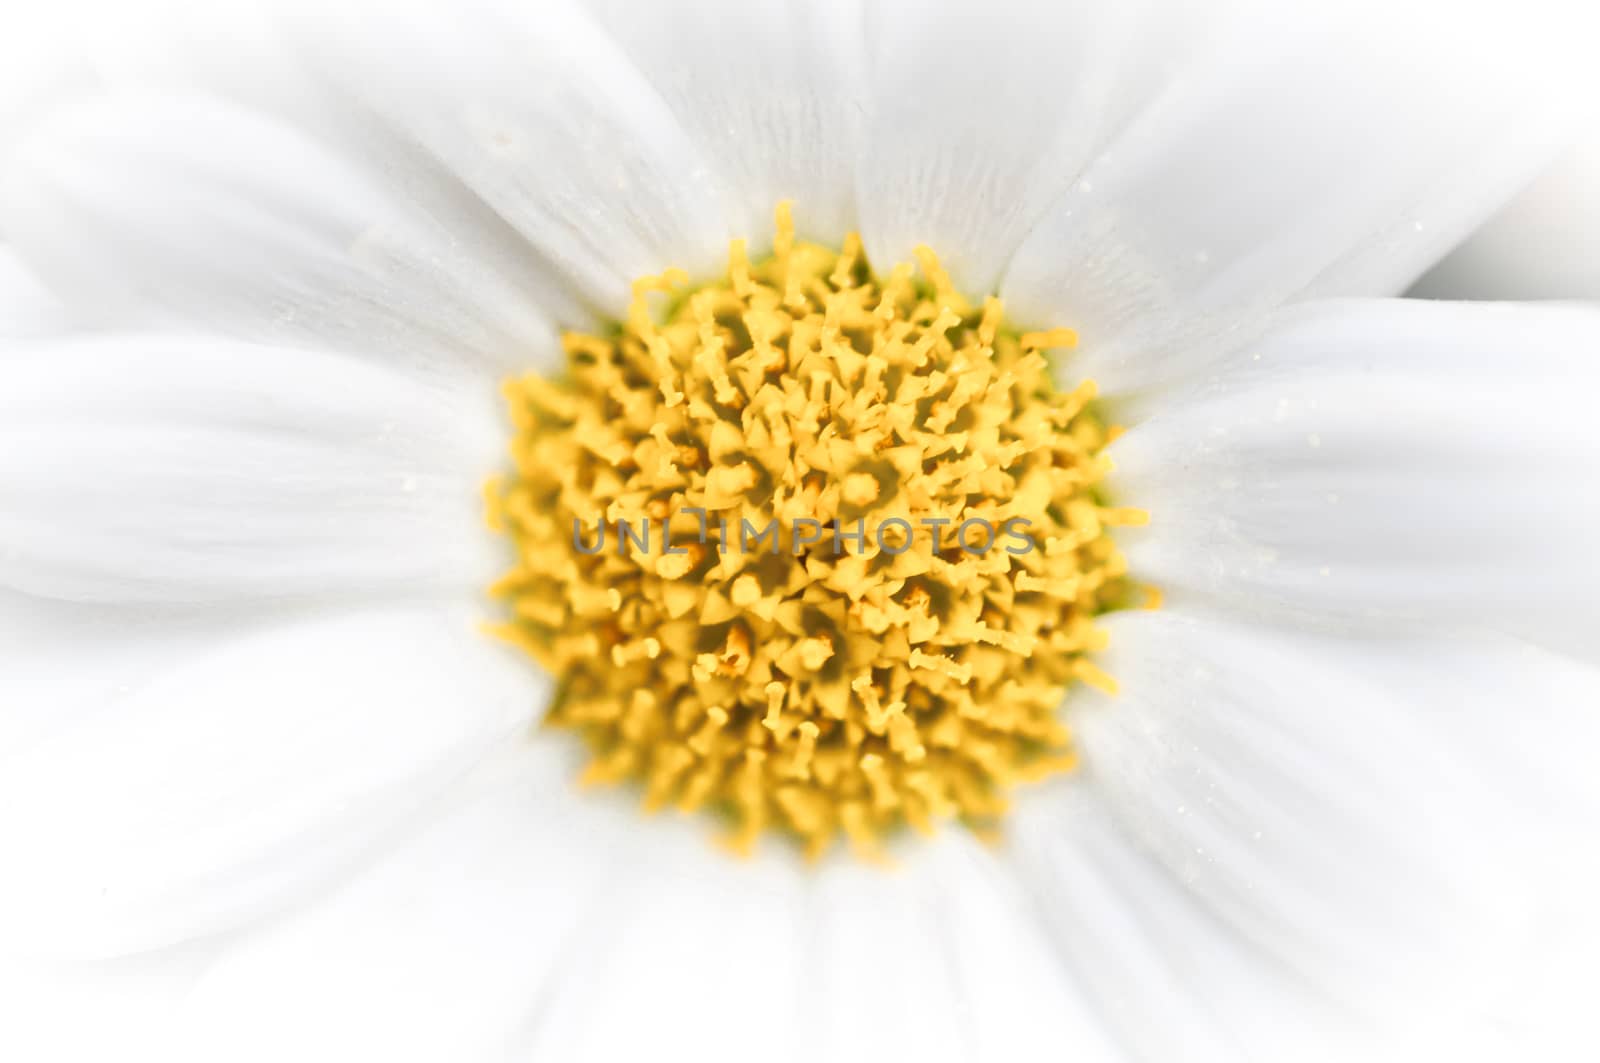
{"points": [[816, 550]]}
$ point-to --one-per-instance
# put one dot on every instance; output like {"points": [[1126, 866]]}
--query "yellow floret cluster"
{"points": [[812, 549]]}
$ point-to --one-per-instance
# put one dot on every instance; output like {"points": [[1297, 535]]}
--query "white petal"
{"points": [[940, 957], [1385, 461], [248, 52], [770, 91], [131, 1000], [451, 945], [541, 115], [64, 660], [246, 778], [167, 469], [190, 211], [695, 948], [27, 307], [933, 954], [932, 957], [1271, 837], [1528, 716], [981, 116], [535, 921], [40, 68], [231, 47], [1151, 959], [1270, 171]]}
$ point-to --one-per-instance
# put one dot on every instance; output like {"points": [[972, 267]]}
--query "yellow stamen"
{"points": [[810, 677]]}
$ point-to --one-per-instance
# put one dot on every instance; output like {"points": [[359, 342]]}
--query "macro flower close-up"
{"points": [[848, 530]]}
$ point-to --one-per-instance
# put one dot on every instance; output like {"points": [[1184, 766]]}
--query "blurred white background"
{"points": [[1543, 245]]}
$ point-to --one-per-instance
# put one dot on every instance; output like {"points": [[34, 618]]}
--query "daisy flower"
{"points": [[385, 403]]}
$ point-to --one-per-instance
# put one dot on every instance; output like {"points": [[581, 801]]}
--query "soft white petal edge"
{"points": [[980, 116], [539, 113], [246, 777], [1284, 844], [164, 468], [132, 1001], [1380, 462], [772, 92], [189, 211], [526, 920], [1323, 150], [67, 659], [27, 307]]}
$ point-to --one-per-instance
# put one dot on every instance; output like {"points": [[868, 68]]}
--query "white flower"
{"points": [[259, 290]]}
